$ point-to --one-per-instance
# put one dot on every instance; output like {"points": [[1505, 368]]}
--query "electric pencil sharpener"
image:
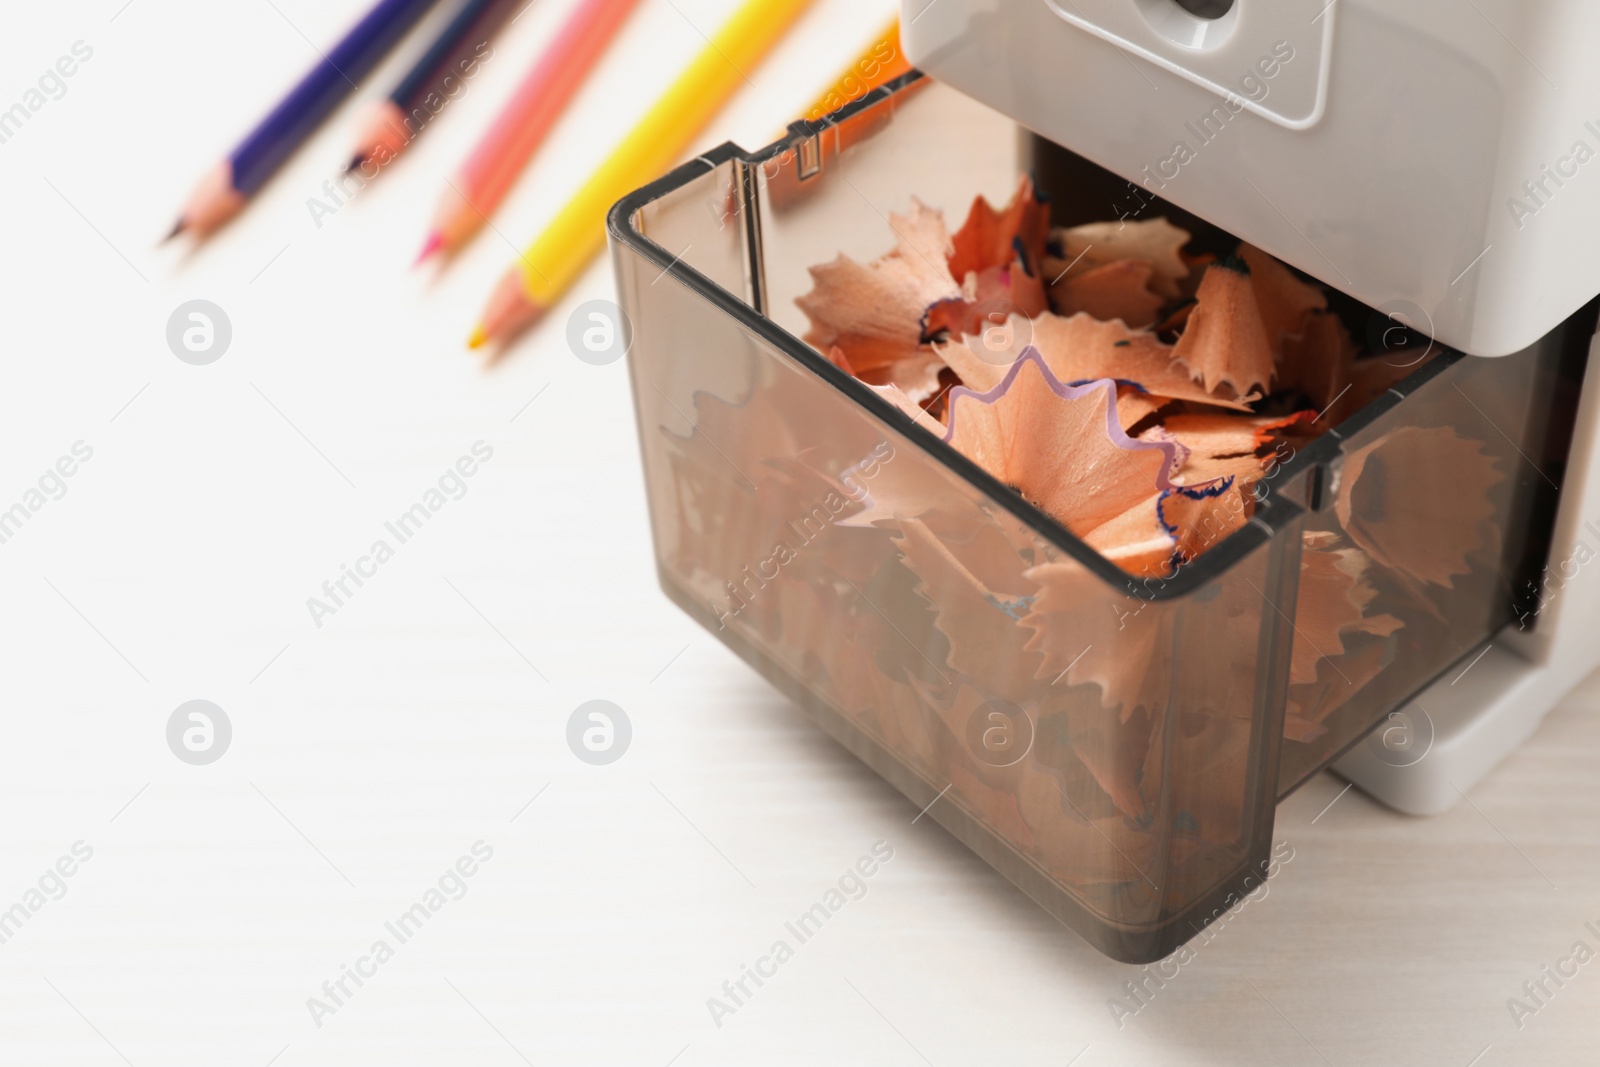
{"points": [[1116, 746]]}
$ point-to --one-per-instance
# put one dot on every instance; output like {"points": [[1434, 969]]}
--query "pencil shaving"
{"points": [[1079, 348], [1418, 479], [1145, 398], [1120, 291], [874, 313], [1224, 342], [1181, 349], [1060, 446], [1155, 242]]}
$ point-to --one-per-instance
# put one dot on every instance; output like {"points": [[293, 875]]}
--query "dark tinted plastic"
{"points": [[1110, 745]]}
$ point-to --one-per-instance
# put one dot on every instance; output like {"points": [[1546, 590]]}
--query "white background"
{"points": [[370, 753]]}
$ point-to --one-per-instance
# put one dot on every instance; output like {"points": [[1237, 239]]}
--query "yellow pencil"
{"points": [[556, 258]]}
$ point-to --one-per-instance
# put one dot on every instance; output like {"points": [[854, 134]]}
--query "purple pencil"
{"points": [[224, 191]]}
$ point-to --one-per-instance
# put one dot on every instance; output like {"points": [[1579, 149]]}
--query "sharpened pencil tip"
{"points": [[432, 245], [479, 338], [177, 228], [357, 161]]}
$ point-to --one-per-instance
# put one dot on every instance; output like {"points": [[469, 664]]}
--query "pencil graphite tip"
{"points": [[214, 201], [430, 247], [177, 228], [357, 161], [509, 311], [479, 338]]}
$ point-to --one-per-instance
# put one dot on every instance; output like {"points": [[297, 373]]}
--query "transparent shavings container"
{"points": [[1113, 746]]}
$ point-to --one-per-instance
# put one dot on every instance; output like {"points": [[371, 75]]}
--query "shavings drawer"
{"points": [[1114, 745]]}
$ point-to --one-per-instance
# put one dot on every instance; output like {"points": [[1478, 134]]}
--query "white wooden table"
{"points": [[428, 713]]}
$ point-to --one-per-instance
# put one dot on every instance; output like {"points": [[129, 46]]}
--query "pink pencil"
{"points": [[523, 123]]}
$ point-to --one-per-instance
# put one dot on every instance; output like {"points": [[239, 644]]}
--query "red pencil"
{"points": [[523, 123]]}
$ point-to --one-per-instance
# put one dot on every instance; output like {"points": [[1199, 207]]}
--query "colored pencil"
{"points": [[882, 62], [426, 87], [223, 192], [522, 125], [559, 254]]}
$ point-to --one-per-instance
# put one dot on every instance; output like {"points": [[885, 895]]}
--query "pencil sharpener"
{"points": [[1116, 746]]}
